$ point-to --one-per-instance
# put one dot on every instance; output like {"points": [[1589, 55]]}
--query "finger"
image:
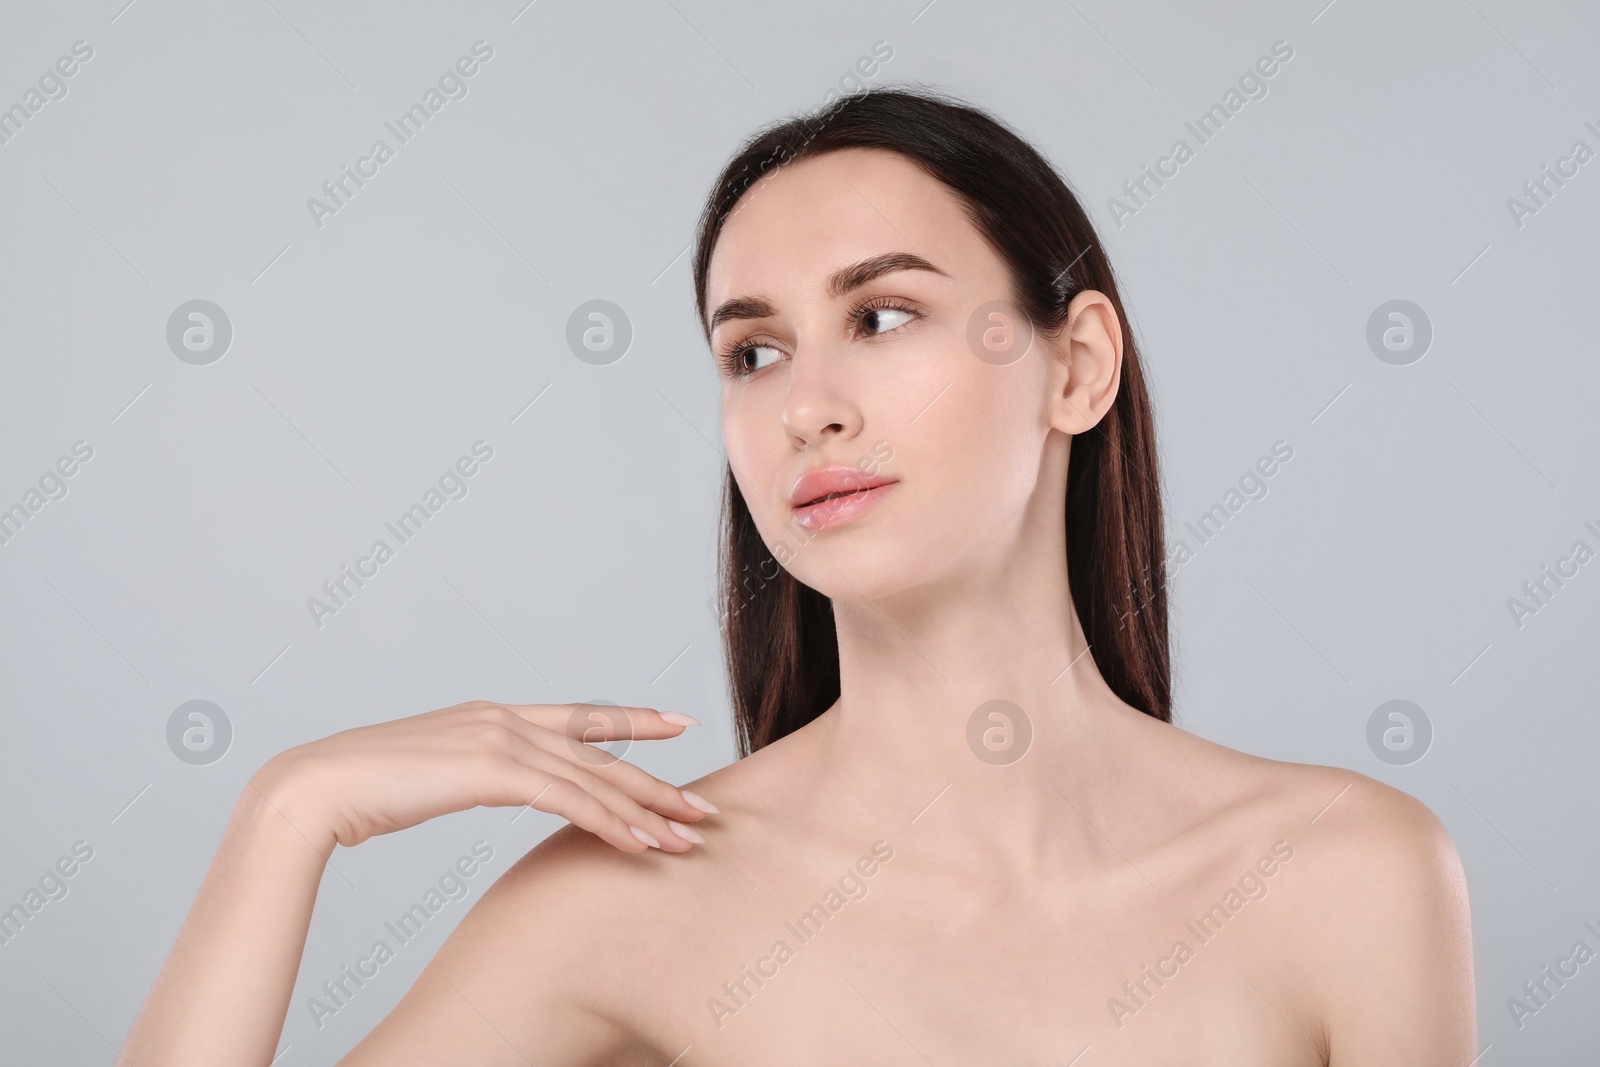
{"points": [[644, 788], [651, 792], [605, 722], [660, 827], [513, 783], [498, 733]]}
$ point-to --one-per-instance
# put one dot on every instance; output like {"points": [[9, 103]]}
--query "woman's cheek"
{"points": [[992, 472], [755, 473]]}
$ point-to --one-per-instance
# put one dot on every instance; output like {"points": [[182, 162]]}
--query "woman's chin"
{"points": [[859, 576]]}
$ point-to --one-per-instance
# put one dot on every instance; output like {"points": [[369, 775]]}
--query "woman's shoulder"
{"points": [[580, 896], [1367, 824], [1374, 908], [1362, 933], [1366, 854], [580, 876], [568, 945], [1383, 862]]}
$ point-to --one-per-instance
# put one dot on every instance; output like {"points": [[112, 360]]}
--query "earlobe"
{"points": [[1090, 350]]}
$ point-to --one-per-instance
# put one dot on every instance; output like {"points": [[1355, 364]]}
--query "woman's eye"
{"points": [[882, 320], [752, 358]]}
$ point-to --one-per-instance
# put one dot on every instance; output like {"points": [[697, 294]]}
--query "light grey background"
{"points": [[429, 312]]}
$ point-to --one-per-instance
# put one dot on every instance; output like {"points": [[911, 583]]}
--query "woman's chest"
{"points": [[875, 975]]}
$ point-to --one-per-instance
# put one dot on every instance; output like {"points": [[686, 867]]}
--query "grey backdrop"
{"points": [[372, 346]]}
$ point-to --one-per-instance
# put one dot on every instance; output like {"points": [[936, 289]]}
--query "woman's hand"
{"points": [[378, 779]]}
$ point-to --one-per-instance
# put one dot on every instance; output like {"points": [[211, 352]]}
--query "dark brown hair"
{"points": [[781, 646]]}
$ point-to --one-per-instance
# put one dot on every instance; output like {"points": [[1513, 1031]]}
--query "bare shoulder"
{"points": [[1369, 828], [1393, 937], [1379, 935], [573, 896], [561, 952], [528, 967], [603, 911], [1374, 846]]}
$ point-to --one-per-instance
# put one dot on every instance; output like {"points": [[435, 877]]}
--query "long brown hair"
{"points": [[780, 642]]}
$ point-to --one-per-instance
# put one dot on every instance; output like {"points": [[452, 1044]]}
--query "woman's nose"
{"points": [[818, 403]]}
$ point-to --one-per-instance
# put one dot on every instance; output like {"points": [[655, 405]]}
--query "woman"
{"points": [[964, 830]]}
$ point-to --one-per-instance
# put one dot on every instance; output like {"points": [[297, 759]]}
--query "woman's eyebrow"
{"points": [[742, 307], [859, 274], [841, 282]]}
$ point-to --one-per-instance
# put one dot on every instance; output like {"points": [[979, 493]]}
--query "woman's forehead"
{"points": [[813, 217]]}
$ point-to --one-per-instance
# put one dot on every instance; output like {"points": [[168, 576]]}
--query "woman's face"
{"points": [[842, 293]]}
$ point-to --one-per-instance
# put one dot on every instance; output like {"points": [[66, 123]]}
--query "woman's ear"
{"points": [[1088, 364]]}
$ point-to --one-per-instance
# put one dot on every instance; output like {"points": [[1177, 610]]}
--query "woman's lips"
{"points": [[840, 508]]}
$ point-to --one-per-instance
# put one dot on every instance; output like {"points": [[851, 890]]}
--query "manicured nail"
{"points": [[688, 833], [700, 802], [678, 718], [646, 838]]}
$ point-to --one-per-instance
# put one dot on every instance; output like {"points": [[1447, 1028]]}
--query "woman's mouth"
{"points": [[837, 508]]}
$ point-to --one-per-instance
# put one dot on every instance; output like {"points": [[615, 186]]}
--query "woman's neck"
{"points": [[977, 711]]}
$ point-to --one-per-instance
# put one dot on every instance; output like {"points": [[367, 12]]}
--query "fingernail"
{"points": [[646, 838], [700, 802], [678, 718], [688, 833]]}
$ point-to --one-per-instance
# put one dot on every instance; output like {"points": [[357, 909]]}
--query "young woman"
{"points": [[964, 829]]}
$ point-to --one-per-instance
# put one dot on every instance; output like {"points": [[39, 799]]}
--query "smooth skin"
{"points": [[1025, 913]]}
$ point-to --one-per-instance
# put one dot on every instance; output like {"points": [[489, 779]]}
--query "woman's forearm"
{"points": [[221, 998]]}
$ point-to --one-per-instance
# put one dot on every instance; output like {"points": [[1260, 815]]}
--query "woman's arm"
{"points": [[535, 972], [222, 996], [224, 992], [1396, 935]]}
